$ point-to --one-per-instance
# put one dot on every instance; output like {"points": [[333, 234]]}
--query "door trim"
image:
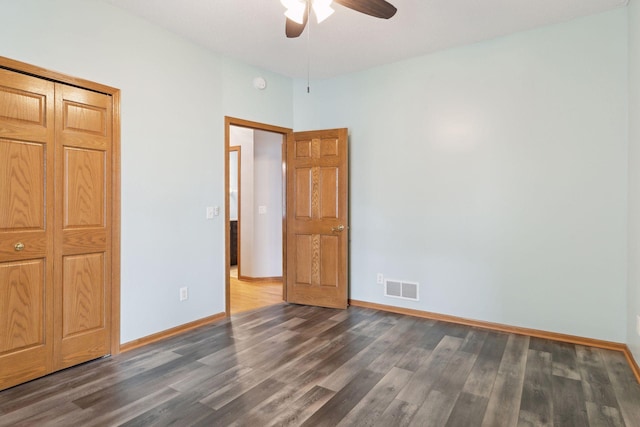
{"points": [[237, 149], [233, 121], [24, 68]]}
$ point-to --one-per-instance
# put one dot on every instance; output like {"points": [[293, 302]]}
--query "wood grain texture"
{"points": [[43, 133], [570, 339], [289, 365], [22, 185], [115, 222], [84, 188], [22, 295], [84, 305], [328, 261], [504, 401], [304, 189], [249, 295], [303, 272], [537, 405], [27, 105], [328, 190], [315, 186], [85, 118], [27, 139], [22, 106], [259, 279], [159, 336], [317, 201], [82, 243], [51, 75]]}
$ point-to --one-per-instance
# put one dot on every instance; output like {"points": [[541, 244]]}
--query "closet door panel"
{"points": [[83, 145], [83, 294], [26, 227], [22, 180], [26, 107], [84, 204], [22, 305]]}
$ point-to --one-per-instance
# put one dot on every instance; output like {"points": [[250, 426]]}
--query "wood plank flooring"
{"points": [[247, 296], [288, 365]]}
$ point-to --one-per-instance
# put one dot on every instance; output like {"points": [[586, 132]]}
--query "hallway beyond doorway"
{"points": [[251, 295]]}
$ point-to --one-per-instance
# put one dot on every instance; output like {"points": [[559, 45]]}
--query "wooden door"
{"points": [[83, 232], [26, 227], [317, 218], [55, 226]]}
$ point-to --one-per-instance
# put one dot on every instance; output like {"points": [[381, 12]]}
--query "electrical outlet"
{"points": [[380, 279], [184, 293]]}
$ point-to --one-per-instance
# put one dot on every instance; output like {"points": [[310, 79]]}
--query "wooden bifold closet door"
{"points": [[55, 226]]}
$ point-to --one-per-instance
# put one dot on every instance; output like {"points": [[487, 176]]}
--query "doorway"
{"points": [[255, 212]]}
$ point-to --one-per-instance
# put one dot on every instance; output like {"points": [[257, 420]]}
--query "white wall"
{"points": [[260, 185], [243, 137], [633, 298], [494, 175], [174, 99], [268, 193]]}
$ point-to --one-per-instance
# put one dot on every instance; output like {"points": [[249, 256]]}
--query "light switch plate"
{"points": [[262, 210], [210, 212]]}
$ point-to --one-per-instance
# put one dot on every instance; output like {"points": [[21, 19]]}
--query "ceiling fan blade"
{"points": [[293, 29], [377, 8]]}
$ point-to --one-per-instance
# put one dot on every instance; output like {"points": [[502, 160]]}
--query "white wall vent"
{"points": [[401, 289]]}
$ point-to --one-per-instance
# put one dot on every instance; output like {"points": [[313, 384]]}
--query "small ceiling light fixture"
{"points": [[296, 9]]}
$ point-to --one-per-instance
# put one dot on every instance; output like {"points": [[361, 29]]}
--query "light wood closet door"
{"points": [[26, 227], [83, 234], [55, 226]]}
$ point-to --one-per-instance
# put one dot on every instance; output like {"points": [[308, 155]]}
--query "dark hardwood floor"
{"points": [[296, 365]]}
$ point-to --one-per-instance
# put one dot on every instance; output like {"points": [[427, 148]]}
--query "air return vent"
{"points": [[401, 289]]}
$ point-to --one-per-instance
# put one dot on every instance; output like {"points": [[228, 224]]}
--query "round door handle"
{"points": [[338, 228], [19, 246]]}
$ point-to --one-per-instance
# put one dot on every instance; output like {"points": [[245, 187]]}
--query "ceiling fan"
{"points": [[298, 11]]}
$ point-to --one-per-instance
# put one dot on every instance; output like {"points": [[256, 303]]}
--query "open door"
{"points": [[317, 218]]}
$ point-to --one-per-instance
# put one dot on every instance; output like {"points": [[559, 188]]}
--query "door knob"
{"points": [[19, 246], [338, 228]]}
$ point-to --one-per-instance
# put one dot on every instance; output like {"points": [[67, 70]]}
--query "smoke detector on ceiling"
{"points": [[259, 83]]}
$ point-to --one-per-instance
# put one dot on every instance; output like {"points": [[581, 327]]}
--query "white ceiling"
{"points": [[252, 31]]}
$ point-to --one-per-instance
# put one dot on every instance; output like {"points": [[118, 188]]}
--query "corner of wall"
{"points": [[633, 257]]}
